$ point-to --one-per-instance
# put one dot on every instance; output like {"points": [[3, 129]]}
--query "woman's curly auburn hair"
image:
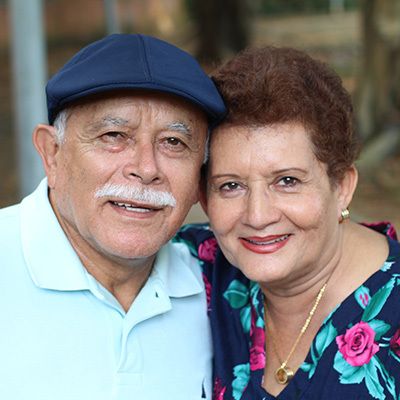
{"points": [[269, 85]]}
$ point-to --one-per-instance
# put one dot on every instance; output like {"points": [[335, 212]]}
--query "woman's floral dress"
{"points": [[355, 355]]}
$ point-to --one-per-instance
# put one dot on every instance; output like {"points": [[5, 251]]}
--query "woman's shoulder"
{"points": [[384, 227], [390, 239]]}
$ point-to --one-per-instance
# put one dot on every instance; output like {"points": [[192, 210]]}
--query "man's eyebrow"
{"points": [[180, 127], [109, 121]]}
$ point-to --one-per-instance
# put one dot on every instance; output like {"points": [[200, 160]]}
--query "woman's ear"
{"points": [[45, 142], [203, 197], [347, 187]]}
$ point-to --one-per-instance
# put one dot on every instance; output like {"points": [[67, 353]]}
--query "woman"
{"points": [[304, 303]]}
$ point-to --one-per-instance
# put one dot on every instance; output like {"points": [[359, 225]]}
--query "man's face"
{"points": [[138, 140]]}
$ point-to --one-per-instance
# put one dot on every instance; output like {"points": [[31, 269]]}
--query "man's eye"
{"points": [[174, 141], [112, 137], [112, 134], [114, 141]]}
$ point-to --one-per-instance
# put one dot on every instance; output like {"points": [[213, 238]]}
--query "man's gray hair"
{"points": [[207, 148], [60, 126]]}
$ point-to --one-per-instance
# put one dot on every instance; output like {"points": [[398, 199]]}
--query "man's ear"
{"points": [[347, 188], [45, 142]]}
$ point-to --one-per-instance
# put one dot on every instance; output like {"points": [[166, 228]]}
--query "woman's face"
{"points": [[270, 202]]}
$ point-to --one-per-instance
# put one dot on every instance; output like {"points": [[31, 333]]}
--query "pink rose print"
{"points": [[208, 249], [219, 391], [392, 232], [395, 343], [358, 344], [257, 351], [364, 299]]}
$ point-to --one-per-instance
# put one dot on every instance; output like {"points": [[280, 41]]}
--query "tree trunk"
{"points": [[223, 27], [377, 98]]}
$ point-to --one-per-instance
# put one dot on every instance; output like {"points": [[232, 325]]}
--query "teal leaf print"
{"points": [[362, 296], [386, 267], [242, 376], [380, 328], [310, 367], [260, 323], [197, 226], [306, 367], [372, 381], [254, 289], [325, 338], [322, 341], [377, 301], [389, 380], [348, 374], [245, 319], [367, 372], [237, 294]]}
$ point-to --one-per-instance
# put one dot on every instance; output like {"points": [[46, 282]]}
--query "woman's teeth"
{"points": [[280, 239]]}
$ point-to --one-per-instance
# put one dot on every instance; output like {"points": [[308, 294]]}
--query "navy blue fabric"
{"points": [[133, 61], [319, 378]]}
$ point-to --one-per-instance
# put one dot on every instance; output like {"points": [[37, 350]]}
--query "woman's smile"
{"points": [[264, 245]]}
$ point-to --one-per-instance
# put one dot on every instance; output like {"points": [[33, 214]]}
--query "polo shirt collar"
{"points": [[176, 268], [53, 263]]}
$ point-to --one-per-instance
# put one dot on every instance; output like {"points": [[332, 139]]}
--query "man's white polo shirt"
{"points": [[64, 336]]}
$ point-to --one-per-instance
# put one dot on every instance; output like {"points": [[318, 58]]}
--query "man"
{"points": [[96, 303]]}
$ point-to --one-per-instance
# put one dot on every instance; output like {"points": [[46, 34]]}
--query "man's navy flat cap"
{"points": [[133, 61]]}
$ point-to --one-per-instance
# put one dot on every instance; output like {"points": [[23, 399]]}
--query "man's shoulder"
{"points": [[10, 212], [182, 253]]}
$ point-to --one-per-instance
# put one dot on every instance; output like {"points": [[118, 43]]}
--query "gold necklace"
{"points": [[284, 373]]}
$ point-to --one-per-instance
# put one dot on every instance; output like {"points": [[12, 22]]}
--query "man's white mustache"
{"points": [[127, 193]]}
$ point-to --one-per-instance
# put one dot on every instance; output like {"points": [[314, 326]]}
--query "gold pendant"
{"points": [[283, 375]]}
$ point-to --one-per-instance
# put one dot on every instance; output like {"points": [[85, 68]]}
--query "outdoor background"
{"points": [[359, 39]]}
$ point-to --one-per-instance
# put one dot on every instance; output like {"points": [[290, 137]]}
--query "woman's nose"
{"points": [[261, 209]]}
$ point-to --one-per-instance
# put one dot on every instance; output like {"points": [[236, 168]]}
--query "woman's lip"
{"points": [[265, 244]]}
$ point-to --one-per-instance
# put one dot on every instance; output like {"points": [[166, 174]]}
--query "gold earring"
{"points": [[344, 216]]}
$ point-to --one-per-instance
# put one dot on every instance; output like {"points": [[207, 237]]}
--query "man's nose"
{"points": [[142, 163]]}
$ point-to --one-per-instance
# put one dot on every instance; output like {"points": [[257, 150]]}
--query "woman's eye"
{"points": [[230, 186], [288, 181]]}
